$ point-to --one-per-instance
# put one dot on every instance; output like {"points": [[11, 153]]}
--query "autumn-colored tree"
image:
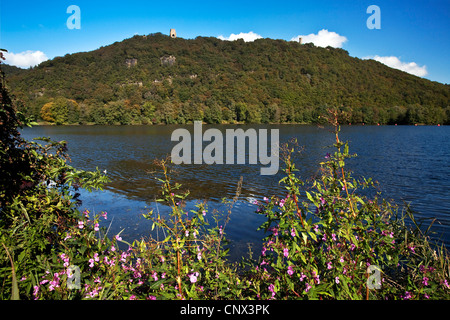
{"points": [[46, 112], [61, 111]]}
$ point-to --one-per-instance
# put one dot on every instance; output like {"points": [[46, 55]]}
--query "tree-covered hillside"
{"points": [[158, 79]]}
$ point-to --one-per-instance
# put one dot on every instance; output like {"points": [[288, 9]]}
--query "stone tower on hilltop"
{"points": [[173, 33]]}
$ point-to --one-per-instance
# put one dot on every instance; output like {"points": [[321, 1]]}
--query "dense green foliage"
{"points": [[266, 81], [38, 197], [320, 242]]}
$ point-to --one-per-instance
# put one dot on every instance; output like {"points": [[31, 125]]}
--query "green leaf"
{"points": [[24, 211], [305, 237], [309, 197], [15, 288], [312, 235], [157, 284]]}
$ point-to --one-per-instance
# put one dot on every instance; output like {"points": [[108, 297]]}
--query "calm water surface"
{"points": [[410, 163]]}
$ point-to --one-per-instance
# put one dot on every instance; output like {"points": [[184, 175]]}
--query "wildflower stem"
{"points": [[342, 168], [299, 213]]}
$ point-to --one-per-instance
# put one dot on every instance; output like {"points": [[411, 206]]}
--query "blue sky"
{"points": [[414, 35]]}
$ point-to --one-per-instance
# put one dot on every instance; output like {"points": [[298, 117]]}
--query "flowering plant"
{"points": [[324, 240]]}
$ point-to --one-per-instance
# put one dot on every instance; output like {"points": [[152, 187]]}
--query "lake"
{"points": [[411, 164]]}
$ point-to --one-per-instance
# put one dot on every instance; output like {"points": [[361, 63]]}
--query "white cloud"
{"points": [[247, 37], [25, 59], [323, 38], [394, 62]]}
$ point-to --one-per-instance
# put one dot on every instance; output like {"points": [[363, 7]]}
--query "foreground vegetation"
{"points": [[155, 79], [324, 239]]}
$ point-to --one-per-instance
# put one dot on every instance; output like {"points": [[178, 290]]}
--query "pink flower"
{"points": [[263, 251], [407, 296], [307, 287], [104, 214], [96, 227], [272, 289], [293, 232], [35, 291], [336, 280], [302, 276], [446, 284], [193, 277], [274, 230], [286, 252], [65, 259], [290, 271], [80, 224], [199, 253], [118, 238], [316, 277]]}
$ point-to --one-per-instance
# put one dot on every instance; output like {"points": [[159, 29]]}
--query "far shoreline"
{"points": [[44, 123]]}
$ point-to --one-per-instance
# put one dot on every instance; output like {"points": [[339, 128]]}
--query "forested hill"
{"points": [[158, 79]]}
